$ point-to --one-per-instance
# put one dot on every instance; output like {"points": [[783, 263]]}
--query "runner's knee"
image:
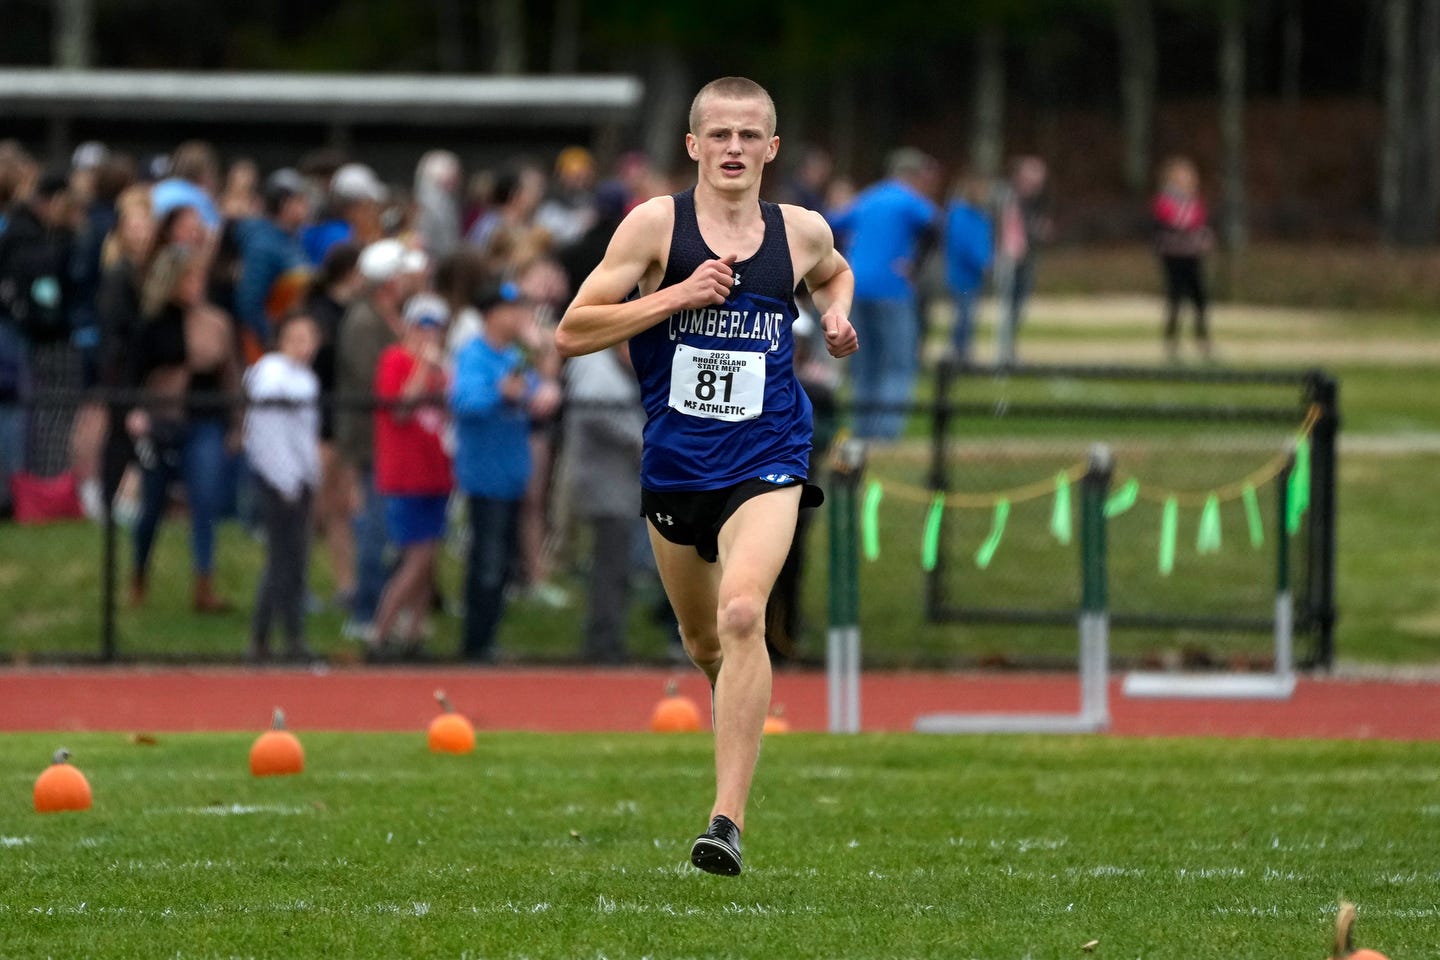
{"points": [[742, 616]]}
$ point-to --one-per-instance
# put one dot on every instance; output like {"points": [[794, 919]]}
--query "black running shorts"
{"points": [[693, 518]]}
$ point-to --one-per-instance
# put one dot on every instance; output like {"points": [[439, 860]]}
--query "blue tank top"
{"points": [[718, 382]]}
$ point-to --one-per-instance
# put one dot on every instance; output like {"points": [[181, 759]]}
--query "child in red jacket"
{"points": [[412, 468], [1182, 239]]}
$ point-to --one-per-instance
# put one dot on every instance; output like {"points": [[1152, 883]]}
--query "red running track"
{"points": [[163, 699]]}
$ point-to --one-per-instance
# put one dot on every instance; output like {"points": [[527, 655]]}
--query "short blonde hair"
{"points": [[731, 88]]}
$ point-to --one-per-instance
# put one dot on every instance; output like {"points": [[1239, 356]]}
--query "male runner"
{"points": [[727, 438]]}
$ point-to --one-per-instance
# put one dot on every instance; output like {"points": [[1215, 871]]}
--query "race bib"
{"points": [[717, 384]]}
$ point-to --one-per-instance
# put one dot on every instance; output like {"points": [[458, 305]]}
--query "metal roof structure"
{"points": [[330, 98]]}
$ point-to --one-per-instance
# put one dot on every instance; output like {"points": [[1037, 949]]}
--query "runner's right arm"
{"points": [[600, 316]]}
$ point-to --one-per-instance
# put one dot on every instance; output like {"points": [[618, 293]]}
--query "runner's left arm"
{"points": [[831, 284]]}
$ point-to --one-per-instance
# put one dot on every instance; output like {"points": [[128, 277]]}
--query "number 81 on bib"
{"points": [[717, 384]]}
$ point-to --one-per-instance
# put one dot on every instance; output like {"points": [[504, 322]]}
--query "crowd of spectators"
{"points": [[309, 351], [197, 310]]}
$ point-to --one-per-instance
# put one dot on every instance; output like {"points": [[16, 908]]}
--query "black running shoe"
{"points": [[717, 850]]}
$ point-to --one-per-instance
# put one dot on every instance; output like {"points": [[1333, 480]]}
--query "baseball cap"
{"points": [[495, 294], [168, 196], [388, 258], [355, 181], [285, 182], [426, 310], [89, 155]]}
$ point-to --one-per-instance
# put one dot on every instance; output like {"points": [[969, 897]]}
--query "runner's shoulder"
{"points": [[807, 226]]}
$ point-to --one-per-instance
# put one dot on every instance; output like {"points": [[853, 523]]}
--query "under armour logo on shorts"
{"points": [[664, 518]]}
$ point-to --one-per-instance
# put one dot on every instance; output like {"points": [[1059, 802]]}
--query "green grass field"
{"points": [[576, 846]]}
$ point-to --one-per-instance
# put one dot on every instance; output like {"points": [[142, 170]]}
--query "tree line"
{"points": [[855, 74]]}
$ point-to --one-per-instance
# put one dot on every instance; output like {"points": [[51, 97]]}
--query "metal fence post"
{"points": [[842, 640], [940, 413], [1323, 390], [1284, 603], [1094, 590]]}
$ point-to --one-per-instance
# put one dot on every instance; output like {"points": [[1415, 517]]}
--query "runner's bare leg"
{"points": [[722, 623], [693, 588], [753, 546]]}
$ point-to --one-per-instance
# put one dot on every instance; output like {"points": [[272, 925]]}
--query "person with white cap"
{"points": [[412, 469], [357, 198], [393, 273], [437, 179]]}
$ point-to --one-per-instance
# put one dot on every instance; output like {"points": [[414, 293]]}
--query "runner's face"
{"points": [[733, 143]]}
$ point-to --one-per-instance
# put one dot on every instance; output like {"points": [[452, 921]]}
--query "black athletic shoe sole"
{"points": [[715, 856]]}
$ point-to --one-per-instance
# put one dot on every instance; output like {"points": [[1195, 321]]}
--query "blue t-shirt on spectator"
{"points": [[884, 226], [969, 247], [492, 435], [318, 238]]}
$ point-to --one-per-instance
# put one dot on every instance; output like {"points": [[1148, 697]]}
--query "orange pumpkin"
{"points": [[776, 722], [1345, 937], [675, 713], [61, 787], [277, 751], [450, 732]]}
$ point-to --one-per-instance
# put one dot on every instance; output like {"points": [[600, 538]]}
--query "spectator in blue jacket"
{"points": [[886, 229], [274, 271], [493, 397], [969, 249]]}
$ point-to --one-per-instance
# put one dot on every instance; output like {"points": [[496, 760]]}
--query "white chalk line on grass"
{"points": [[15, 841], [414, 909], [231, 810]]}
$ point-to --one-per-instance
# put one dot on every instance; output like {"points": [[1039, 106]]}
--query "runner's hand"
{"points": [[711, 283], [840, 338]]}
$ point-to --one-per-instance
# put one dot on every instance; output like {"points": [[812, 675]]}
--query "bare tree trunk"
{"points": [[450, 39], [669, 95], [507, 26], [1427, 208], [1135, 20], [1392, 144], [842, 123], [73, 34], [987, 142], [565, 47], [1232, 125], [1291, 47]]}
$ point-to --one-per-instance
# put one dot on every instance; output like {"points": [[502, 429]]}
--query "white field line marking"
{"points": [[1106, 870], [1026, 844], [152, 866], [1210, 873], [416, 908], [231, 810], [15, 841]]}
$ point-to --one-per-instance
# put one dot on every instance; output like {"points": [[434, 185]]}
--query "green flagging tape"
{"points": [[1169, 520], [1298, 497], [986, 553], [1252, 516], [1207, 538], [931, 548], [1060, 518], [1122, 499], [870, 521]]}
